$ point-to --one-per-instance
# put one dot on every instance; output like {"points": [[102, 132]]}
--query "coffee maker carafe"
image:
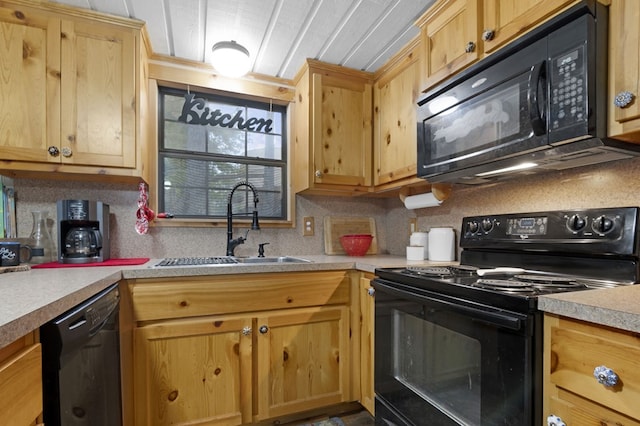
{"points": [[83, 231]]}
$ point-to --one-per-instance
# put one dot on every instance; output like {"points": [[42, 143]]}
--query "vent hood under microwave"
{"points": [[538, 104]]}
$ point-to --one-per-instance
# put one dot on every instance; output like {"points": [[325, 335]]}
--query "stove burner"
{"points": [[506, 286], [500, 284], [441, 271], [549, 280]]}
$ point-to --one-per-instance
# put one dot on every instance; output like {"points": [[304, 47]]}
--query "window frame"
{"points": [[235, 100]]}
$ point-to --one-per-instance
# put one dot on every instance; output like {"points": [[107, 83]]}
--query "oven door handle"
{"points": [[499, 319]]}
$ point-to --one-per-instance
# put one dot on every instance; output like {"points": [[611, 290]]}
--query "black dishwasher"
{"points": [[81, 364]]}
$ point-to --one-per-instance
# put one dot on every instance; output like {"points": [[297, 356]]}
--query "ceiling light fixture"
{"points": [[230, 59]]}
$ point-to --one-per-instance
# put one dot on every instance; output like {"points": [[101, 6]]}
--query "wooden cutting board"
{"points": [[337, 226], [17, 268]]}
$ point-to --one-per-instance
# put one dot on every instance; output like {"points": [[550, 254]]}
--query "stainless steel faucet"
{"points": [[231, 243]]}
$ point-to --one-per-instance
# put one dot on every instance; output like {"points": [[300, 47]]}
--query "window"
{"points": [[208, 143]]}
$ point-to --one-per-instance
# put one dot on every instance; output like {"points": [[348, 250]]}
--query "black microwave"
{"points": [[539, 103]]}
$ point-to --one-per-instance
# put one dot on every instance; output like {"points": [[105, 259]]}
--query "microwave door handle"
{"points": [[536, 116]]}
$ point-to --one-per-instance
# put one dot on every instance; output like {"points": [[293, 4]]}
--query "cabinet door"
{"points": [[193, 372], [507, 19], [29, 84], [302, 360], [395, 153], [21, 390], [98, 95], [624, 63], [367, 314], [342, 120], [450, 39]]}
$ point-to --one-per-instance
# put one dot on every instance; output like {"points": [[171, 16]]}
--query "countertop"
{"points": [[32, 298], [617, 307]]}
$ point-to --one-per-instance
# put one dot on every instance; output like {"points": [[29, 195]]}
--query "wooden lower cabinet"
{"points": [[367, 328], [195, 371], [301, 360], [21, 382], [573, 350], [240, 349]]}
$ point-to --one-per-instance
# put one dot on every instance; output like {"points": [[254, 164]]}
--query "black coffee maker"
{"points": [[83, 231]]}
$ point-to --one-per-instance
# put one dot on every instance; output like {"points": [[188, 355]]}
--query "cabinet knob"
{"points": [[555, 421], [605, 376], [246, 331], [623, 99], [318, 174], [263, 329], [371, 291], [471, 46], [67, 152], [53, 151], [488, 35]]}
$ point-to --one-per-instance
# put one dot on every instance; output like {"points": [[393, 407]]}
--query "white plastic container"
{"points": [[442, 244], [415, 253], [420, 239]]}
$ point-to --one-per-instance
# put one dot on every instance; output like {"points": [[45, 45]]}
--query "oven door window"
{"points": [[440, 365], [446, 363], [508, 118]]}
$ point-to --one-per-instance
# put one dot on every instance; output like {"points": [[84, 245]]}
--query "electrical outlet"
{"points": [[308, 227], [413, 225]]}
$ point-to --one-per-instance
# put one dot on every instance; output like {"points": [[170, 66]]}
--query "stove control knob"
{"points": [[487, 225], [576, 223], [472, 226], [602, 225]]}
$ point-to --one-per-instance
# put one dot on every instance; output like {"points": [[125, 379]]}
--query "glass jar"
{"points": [[40, 239]]}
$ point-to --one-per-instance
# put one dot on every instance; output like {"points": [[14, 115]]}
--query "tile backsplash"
{"points": [[607, 185]]}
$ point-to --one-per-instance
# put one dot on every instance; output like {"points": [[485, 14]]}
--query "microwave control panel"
{"points": [[568, 89]]}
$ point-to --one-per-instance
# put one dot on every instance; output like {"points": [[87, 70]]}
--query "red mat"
{"points": [[110, 262]]}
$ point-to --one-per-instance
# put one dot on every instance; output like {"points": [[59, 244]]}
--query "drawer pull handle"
{"points": [[555, 421], [246, 331], [605, 376], [623, 99]]}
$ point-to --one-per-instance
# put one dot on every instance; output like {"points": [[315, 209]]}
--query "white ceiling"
{"points": [[279, 34]]}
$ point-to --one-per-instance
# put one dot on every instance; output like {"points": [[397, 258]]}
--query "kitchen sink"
{"points": [[280, 259], [228, 260]]}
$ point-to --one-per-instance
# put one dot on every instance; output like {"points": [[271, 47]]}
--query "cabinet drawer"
{"points": [[578, 348], [21, 390], [194, 296], [577, 411]]}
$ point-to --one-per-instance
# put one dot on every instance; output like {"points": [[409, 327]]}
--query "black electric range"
{"points": [[463, 344], [510, 259]]}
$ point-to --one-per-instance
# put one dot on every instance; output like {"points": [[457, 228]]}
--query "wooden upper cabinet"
{"points": [[449, 33], [30, 83], [506, 19], [332, 129], [395, 131], [624, 69], [71, 92], [457, 33], [98, 95]]}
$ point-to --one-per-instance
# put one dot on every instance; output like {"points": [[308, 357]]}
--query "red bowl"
{"points": [[356, 244]]}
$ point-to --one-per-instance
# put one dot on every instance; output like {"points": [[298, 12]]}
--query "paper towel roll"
{"points": [[421, 201]]}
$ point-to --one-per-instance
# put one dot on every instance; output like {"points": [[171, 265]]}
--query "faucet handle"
{"points": [[261, 249]]}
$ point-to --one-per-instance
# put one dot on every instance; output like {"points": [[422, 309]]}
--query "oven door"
{"points": [[445, 361]]}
